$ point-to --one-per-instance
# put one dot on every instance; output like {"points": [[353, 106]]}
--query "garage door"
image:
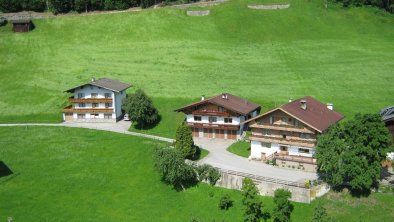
{"points": [[208, 133], [231, 134], [68, 117], [195, 132], [219, 134]]}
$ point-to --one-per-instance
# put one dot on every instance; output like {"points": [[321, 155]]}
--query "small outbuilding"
{"points": [[22, 25]]}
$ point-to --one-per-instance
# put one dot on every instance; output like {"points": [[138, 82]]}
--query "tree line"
{"points": [[64, 6], [387, 5]]}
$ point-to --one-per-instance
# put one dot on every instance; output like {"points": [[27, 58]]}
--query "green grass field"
{"points": [[344, 56], [64, 174], [240, 148]]}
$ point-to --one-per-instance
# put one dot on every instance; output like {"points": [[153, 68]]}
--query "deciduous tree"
{"points": [[350, 154], [140, 109], [251, 201], [283, 207]]}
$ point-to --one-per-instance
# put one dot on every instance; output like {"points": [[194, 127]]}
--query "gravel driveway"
{"points": [[219, 157]]}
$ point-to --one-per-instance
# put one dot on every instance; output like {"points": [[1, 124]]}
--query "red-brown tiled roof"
{"points": [[231, 102], [316, 114]]}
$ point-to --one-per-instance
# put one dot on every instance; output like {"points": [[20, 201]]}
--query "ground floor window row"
{"points": [[70, 116], [287, 148]]}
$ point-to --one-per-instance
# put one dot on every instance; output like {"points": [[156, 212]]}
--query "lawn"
{"points": [[65, 174], [343, 56], [240, 148]]}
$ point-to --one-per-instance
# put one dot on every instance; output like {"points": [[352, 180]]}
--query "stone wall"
{"points": [[197, 13], [299, 194]]}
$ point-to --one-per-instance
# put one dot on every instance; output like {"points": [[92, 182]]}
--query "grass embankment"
{"points": [[240, 148], [337, 55], [68, 174]]}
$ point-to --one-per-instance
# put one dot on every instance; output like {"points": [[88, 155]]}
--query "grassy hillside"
{"points": [[63, 174], [344, 56]]}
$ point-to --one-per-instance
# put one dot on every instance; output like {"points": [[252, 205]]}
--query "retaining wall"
{"points": [[269, 7]]}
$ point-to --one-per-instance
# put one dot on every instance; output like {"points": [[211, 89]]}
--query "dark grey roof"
{"points": [[387, 113], [113, 85]]}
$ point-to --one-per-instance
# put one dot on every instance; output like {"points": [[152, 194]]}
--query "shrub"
{"points": [[253, 205], [184, 141], [283, 207], [209, 173], [225, 202], [274, 161]]}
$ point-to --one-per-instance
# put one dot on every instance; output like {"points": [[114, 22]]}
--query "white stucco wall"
{"points": [[118, 103], [220, 120], [257, 149]]}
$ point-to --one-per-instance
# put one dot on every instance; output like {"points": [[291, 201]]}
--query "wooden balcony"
{"points": [[210, 113], [87, 110], [286, 141], [89, 100], [214, 126], [287, 128], [300, 159]]}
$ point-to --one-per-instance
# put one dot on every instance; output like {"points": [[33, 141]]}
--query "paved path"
{"points": [[119, 127], [219, 157]]}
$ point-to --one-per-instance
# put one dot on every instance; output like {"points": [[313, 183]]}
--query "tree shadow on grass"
{"points": [[4, 170], [139, 126]]}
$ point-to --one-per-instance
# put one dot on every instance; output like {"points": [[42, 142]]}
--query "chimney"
{"points": [[93, 79], [330, 106], [290, 100], [303, 104], [202, 97], [224, 96]]}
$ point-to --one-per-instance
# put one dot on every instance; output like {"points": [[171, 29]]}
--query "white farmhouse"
{"points": [[96, 101]]}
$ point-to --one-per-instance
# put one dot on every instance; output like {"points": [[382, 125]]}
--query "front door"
{"points": [[283, 150]]}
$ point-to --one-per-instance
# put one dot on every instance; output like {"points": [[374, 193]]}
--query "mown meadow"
{"points": [[66, 174], [343, 56]]}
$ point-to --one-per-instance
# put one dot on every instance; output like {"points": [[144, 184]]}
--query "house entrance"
{"points": [[284, 150]]}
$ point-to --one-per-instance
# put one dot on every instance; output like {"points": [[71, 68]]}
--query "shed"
{"points": [[23, 25]]}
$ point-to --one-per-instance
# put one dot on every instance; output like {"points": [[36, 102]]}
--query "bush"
{"points": [[283, 207], [209, 173], [184, 141], [225, 202]]}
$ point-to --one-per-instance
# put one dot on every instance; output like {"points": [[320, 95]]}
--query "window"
{"points": [[228, 120], [305, 136], [81, 116], [296, 123], [107, 95], [81, 105], [284, 136], [283, 119], [204, 108], [81, 95], [95, 105], [107, 116], [93, 95], [94, 116], [108, 105], [266, 145], [197, 118], [266, 132], [271, 120], [220, 109], [212, 119], [290, 120], [303, 150]]}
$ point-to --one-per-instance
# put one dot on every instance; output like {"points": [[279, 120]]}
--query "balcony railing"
{"points": [[213, 125], [89, 100], [286, 141], [210, 113], [281, 127], [300, 159], [87, 110]]}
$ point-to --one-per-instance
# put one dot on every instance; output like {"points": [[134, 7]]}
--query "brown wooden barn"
{"points": [[22, 25]]}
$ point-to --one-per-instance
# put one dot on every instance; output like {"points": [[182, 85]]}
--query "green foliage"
{"points": [[147, 3], [22, 5], [184, 141], [141, 110], [253, 205], [240, 148], [207, 172], [350, 154], [173, 170], [225, 202], [320, 214], [283, 207], [384, 4], [61, 6]]}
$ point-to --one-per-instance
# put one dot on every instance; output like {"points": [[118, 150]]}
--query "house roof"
{"points": [[316, 114], [228, 101], [387, 113], [105, 83]]}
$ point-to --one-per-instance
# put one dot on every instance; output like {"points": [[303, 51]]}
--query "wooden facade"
{"points": [[22, 25]]}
